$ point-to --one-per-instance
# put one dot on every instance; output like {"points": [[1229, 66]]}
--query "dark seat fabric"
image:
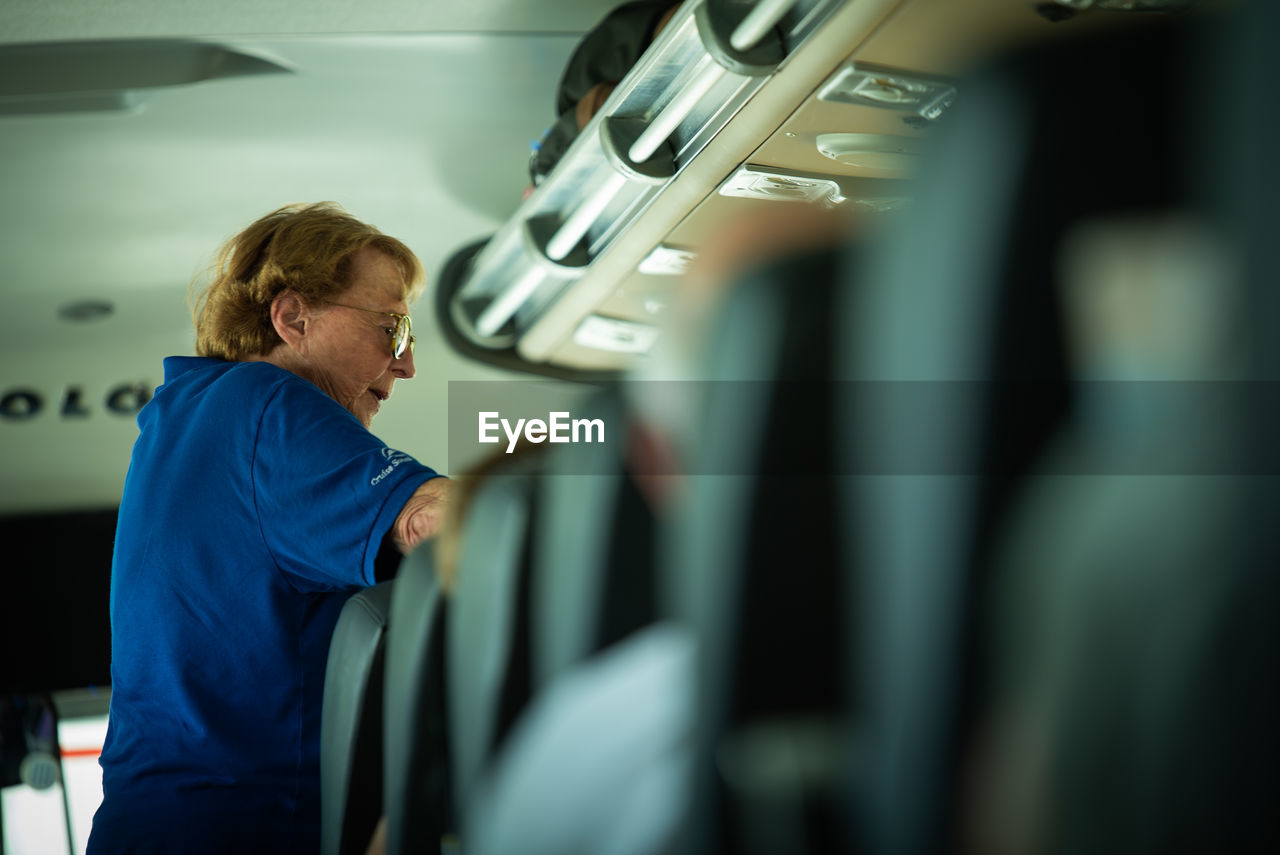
{"points": [[1144, 640], [557, 584], [487, 660], [416, 777], [756, 564], [1122, 606], [594, 578], [351, 724]]}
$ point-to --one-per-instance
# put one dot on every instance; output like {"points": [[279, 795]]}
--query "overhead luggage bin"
{"points": [[733, 106]]}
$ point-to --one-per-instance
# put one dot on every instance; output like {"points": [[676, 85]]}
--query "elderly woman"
{"points": [[257, 502]]}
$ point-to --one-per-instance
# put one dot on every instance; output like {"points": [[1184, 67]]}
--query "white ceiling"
{"points": [[57, 20], [416, 116]]}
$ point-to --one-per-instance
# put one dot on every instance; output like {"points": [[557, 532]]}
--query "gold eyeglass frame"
{"points": [[401, 337]]}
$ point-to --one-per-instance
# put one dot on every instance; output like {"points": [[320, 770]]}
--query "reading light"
{"points": [[764, 182], [895, 90], [877, 152], [614, 334]]}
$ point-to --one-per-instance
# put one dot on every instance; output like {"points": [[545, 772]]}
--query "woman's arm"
{"points": [[421, 515]]}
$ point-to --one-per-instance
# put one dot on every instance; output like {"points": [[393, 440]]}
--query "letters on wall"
{"points": [[24, 404]]}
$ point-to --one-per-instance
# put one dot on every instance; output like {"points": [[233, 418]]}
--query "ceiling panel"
{"points": [[55, 20], [426, 136]]}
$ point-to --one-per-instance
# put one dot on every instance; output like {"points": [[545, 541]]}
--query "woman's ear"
{"points": [[289, 316]]}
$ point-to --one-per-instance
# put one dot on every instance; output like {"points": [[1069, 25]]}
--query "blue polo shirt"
{"points": [[253, 508]]}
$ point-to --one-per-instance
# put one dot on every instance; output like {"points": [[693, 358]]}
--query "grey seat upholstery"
{"points": [[351, 724], [598, 761], [1146, 637], [458, 668], [1126, 609], [594, 578], [416, 782], [487, 644], [756, 565], [938, 343], [595, 758]]}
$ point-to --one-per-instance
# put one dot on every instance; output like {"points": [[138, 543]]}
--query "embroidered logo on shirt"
{"points": [[394, 458]]}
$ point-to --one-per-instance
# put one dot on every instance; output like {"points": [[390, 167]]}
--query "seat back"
{"points": [[351, 724], [1144, 638], [597, 753], [950, 317], [1001, 529], [417, 782], [598, 760], [757, 563], [487, 642], [593, 576]]}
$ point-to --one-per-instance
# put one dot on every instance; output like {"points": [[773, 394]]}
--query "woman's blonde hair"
{"points": [[302, 248]]}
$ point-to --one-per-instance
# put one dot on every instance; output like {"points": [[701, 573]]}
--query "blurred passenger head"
{"points": [[602, 59], [308, 250]]}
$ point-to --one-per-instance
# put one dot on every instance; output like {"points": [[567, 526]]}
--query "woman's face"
{"points": [[349, 351]]}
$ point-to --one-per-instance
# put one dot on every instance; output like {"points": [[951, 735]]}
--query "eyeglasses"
{"points": [[401, 337]]}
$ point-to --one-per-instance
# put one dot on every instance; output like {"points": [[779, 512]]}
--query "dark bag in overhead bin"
{"points": [[601, 60]]}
